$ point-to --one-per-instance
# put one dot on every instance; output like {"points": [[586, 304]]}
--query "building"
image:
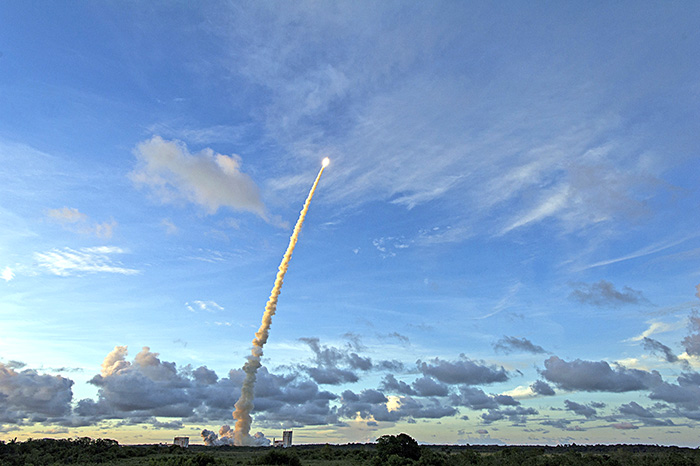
{"points": [[287, 438], [183, 442]]}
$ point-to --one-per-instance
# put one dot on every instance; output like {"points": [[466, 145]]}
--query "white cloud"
{"points": [[659, 327], [170, 227], [66, 262], [553, 203], [205, 178], [67, 215], [521, 391], [74, 220], [208, 306], [419, 125], [7, 274]]}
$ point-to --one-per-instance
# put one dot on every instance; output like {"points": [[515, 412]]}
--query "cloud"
{"points": [[331, 375], [372, 404], [603, 293], [28, 396], [635, 409], [405, 130], [657, 347], [580, 409], [335, 365], [392, 385], [473, 398], [206, 306], [67, 215], [510, 344], [7, 274], [170, 227], [685, 394], [387, 246], [542, 388], [624, 426], [597, 376], [692, 341], [67, 262], [146, 388], [656, 327], [427, 386], [517, 415], [206, 178], [74, 220], [463, 371], [645, 251]]}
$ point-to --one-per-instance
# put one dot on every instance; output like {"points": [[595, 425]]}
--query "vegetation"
{"points": [[390, 450]]}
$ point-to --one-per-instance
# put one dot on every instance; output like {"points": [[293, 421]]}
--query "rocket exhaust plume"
{"points": [[244, 405]]}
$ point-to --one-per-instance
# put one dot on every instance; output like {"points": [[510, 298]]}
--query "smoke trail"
{"points": [[244, 405]]}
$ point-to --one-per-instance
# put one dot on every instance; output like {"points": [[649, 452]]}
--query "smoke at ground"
{"points": [[225, 437]]}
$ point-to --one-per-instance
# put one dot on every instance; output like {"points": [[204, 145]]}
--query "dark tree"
{"points": [[401, 445]]}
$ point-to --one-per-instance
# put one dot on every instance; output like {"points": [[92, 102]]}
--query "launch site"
{"points": [[349, 232]]}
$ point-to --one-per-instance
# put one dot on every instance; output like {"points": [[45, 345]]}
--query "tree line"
{"points": [[389, 450]]}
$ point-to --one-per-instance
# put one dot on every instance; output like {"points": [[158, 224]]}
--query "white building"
{"points": [[286, 438], [184, 442]]}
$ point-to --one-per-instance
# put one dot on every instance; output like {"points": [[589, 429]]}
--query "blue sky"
{"points": [[504, 248]]}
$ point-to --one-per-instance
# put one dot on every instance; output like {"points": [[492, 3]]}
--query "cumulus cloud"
{"points": [[580, 409], [206, 178], [597, 376], [427, 386], [603, 293], [27, 396], [338, 365], [684, 394], [462, 371], [373, 405], [74, 220], [147, 388], [517, 415], [66, 262], [542, 388], [391, 384], [692, 341], [473, 398], [635, 409], [510, 344]]}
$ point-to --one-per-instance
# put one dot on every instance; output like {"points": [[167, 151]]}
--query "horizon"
{"points": [[502, 250]]}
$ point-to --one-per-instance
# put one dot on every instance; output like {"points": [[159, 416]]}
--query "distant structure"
{"points": [[183, 442], [286, 438]]}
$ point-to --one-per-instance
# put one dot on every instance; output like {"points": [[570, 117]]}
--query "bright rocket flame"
{"points": [[244, 405]]}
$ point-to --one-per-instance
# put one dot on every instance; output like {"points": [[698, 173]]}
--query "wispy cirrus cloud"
{"points": [[67, 262], [407, 127]]}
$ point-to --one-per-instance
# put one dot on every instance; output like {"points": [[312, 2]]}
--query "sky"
{"points": [[504, 248]]}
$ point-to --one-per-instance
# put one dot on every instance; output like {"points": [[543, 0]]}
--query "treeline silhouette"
{"points": [[389, 450]]}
